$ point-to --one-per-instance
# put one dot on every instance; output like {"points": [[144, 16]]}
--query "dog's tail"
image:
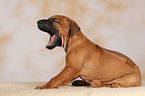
{"points": [[80, 83]]}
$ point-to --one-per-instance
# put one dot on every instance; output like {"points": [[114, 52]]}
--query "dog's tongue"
{"points": [[52, 40]]}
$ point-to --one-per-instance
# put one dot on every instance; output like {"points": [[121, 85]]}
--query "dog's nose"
{"points": [[42, 21], [39, 22]]}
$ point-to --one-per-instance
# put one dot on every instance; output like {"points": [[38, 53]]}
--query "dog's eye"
{"points": [[55, 20], [68, 21]]}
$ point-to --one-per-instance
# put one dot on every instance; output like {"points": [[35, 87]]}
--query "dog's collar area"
{"points": [[65, 43]]}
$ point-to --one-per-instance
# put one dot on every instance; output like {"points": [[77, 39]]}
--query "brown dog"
{"points": [[94, 64]]}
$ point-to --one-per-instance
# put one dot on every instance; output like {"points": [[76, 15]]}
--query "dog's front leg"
{"points": [[67, 74]]}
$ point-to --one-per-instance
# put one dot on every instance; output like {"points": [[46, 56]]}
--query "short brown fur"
{"points": [[94, 64]]}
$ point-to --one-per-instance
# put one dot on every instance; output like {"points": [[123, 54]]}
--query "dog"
{"points": [[97, 66]]}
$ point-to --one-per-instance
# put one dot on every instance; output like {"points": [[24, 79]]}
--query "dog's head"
{"points": [[60, 28]]}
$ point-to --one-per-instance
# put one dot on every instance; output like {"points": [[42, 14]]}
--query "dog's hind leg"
{"points": [[129, 80]]}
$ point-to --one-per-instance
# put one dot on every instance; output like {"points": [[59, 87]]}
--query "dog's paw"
{"points": [[44, 87], [39, 87]]}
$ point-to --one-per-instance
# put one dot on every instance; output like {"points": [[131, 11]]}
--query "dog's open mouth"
{"points": [[54, 40]]}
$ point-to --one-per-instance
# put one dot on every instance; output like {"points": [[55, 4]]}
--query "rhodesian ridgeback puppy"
{"points": [[97, 66]]}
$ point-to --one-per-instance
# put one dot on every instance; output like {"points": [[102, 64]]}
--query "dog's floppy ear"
{"points": [[74, 28]]}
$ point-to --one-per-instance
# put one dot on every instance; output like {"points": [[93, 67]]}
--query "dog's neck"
{"points": [[74, 41]]}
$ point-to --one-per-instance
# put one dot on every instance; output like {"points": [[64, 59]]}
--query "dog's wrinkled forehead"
{"points": [[60, 19], [64, 24]]}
